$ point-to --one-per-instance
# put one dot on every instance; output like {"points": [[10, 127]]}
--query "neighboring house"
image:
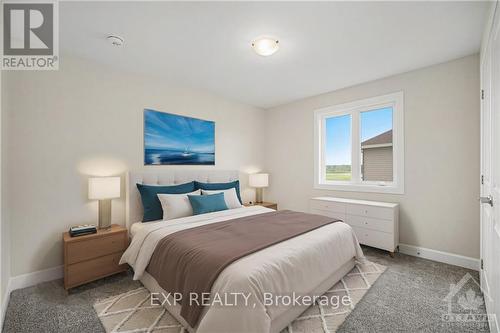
{"points": [[377, 157]]}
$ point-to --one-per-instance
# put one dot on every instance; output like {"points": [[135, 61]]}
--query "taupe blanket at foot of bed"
{"points": [[189, 261]]}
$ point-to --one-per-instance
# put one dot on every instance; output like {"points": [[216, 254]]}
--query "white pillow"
{"points": [[230, 197], [176, 205]]}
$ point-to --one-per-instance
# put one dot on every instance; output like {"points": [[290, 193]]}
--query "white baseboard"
{"points": [[30, 279], [5, 302], [445, 257]]}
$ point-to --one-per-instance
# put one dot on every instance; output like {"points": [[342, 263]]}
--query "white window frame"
{"points": [[394, 100]]}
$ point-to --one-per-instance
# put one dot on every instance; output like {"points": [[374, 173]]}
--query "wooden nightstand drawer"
{"points": [[93, 269], [91, 257], [270, 205], [93, 248]]}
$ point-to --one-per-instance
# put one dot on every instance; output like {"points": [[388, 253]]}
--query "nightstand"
{"points": [[91, 257], [271, 205]]}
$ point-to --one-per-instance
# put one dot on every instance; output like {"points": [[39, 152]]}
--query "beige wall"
{"points": [[60, 127], [439, 209]]}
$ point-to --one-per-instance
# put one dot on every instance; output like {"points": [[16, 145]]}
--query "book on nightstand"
{"points": [[80, 230]]}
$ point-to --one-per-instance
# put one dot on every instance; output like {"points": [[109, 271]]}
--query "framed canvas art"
{"points": [[171, 139]]}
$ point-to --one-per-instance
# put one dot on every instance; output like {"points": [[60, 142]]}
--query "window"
{"points": [[376, 145], [338, 148], [360, 145]]}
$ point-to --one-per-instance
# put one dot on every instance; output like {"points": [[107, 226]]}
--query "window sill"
{"points": [[390, 189]]}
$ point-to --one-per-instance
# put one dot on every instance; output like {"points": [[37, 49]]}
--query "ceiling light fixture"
{"points": [[265, 46], [115, 40]]}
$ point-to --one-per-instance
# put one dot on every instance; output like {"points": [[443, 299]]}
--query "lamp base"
{"points": [[105, 214], [258, 195]]}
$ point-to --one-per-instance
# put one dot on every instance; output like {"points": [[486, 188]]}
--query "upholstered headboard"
{"points": [[133, 204]]}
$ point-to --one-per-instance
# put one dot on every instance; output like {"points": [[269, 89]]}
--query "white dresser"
{"points": [[376, 224]]}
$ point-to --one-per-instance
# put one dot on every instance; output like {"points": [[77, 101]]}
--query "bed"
{"points": [[309, 263]]}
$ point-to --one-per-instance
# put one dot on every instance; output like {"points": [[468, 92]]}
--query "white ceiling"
{"points": [[324, 46]]}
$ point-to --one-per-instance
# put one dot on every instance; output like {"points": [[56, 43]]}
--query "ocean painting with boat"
{"points": [[170, 139]]}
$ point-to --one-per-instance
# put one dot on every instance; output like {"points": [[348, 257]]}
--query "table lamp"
{"points": [[259, 181], [104, 189]]}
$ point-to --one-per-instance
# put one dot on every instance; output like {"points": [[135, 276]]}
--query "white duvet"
{"points": [[297, 265]]}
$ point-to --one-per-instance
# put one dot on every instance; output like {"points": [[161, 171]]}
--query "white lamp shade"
{"points": [[104, 188], [259, 180]]}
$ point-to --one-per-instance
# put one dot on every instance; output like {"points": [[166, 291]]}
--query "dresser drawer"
{"points": [[376, 224], [340, 216], [371, 211], [378, 239], [92, 248], [370, 223], [93, 269], [331, 206]]}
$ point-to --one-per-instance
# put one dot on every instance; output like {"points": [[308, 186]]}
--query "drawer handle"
{"points": [[366, 223]]}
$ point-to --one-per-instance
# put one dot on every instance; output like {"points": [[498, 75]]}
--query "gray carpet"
{"points": [[407, 297], [48, 308]]}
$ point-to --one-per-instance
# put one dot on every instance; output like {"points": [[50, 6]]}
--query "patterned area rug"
{"points": [[132, 311]]}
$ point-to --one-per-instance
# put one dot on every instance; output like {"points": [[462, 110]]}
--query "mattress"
{"points": [[135, 227], [300, 264], [277, 324]]}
